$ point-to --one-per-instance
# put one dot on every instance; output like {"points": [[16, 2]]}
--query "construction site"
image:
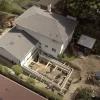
{"points": [[49, 71]]}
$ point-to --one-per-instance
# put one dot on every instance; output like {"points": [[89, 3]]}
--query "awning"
{"points": [[86, 41]]}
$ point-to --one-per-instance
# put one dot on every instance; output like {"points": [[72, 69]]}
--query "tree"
{"points": [[17, 69], [84, 94], [23, 2], [5, 70], [80, 8], [30, 81], [83, 8], [5, 5]]}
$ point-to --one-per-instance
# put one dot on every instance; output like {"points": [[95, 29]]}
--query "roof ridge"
{"points": [[58, 31], [24, 13], [56, 25], [45, 17], [38, 33]]}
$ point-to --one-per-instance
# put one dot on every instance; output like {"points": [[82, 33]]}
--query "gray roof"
{"points": [[86, 41], [18, 43], [51, 25]]}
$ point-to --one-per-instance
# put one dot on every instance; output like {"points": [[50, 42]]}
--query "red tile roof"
{"points": [[10, 90]]}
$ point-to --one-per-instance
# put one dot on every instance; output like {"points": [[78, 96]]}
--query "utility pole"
{"points": [[97, 19], [63, 7]]}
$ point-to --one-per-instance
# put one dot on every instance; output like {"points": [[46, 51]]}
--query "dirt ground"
{"points": [[87, 65]]}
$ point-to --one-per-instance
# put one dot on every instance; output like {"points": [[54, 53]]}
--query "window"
{"points": [[53, 49], [46, 46]]}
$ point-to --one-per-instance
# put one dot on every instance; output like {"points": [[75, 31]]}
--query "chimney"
{"points": [[49, 7]]}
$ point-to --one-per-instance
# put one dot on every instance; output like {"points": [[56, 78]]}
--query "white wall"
{"points": [[64, 46], [9, 56], [45, 41], [28, 55], [26, 58]]}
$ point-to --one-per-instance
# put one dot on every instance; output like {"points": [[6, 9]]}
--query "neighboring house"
{"points": [[10, 90], [53, 31], [44, 3], [17, 46]]}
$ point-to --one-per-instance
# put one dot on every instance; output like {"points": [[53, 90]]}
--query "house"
{"points": [[37, 28], [17, 46], [55, 5], [54, 32], [44, 3], [10, 90]]}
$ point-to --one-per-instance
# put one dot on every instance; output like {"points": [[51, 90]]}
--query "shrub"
{"points": [[60, 56], [21, 76], [30, 81], [5, 70], [84, 94], [0, 67], [17, 69], [17, 11], [46, 93]]}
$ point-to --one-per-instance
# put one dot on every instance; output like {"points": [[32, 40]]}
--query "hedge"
{"points": [[17, 69], [30, 81], [84, 94], [39, 90]]}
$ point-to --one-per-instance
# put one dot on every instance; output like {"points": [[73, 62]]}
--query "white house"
{"points": [[53, 31], [18, 46], [37, 28]]}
